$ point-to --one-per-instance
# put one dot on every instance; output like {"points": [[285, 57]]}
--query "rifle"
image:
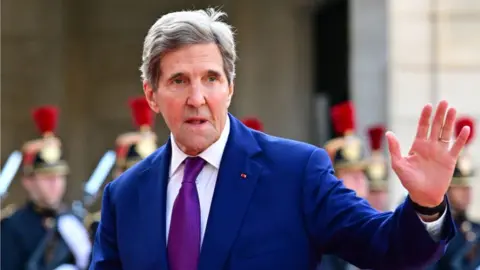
{"points": [[6, 176], [8, 172], [93, 185], [98, 177]]}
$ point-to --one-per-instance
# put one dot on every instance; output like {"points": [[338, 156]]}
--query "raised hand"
{"points": [[427, 170]]}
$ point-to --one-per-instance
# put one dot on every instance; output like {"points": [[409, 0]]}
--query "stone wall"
{"points": [[433, 55]]}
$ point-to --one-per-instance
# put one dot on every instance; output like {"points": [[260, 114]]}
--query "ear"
{"points": [[150, 96], [230, 94]]}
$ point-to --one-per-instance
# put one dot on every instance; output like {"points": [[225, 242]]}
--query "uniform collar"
{"points": [[42, 211]]}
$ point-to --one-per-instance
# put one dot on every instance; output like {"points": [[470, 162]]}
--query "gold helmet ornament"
{"points": [[377, 168], [346, 151], [44, 155], [132, 147]]}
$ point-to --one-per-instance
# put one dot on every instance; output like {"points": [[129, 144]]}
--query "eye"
{"points": [[178, 81], [212, 78]]}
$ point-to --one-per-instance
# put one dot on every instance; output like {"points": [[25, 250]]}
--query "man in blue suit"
{"points": [[219, 195]]}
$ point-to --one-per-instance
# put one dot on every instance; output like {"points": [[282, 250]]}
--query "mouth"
{"points": [[196, 121]]}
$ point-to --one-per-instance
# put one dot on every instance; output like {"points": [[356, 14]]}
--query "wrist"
{"points": [[429, 209], [429, 204]]}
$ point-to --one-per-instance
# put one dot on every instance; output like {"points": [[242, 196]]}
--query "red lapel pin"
{"points": [[244, 176]]}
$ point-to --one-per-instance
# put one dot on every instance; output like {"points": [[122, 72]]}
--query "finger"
{"points": [[424, 122], [393, 147], [447, 130], [438, 120], [460, 142]]}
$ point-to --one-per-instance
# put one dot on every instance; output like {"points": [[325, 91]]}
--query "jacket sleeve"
{"points": [[342, 224], [105, 251]]}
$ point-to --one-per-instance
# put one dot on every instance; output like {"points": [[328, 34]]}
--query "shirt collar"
{"points": [[212, 155]]}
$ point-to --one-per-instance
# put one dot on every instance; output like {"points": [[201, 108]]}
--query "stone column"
{"points": [[433, 55], [368, 62]]}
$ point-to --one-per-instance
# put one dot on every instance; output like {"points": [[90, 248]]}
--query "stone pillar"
{"points": [[410, 73], [368, 62], [433, 55], [458, 68]]}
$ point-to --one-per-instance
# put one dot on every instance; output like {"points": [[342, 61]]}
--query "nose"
{"points": [[196, 97]]}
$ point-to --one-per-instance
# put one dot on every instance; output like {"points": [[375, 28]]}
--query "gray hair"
{"points": [[177, 29]]}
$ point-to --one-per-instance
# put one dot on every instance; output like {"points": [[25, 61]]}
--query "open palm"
{"points": [[427, 170]]}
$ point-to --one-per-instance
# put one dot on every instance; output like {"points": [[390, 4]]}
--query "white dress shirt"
{"points": [[207, 179]]}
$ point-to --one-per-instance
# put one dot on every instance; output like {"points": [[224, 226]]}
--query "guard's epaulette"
{"points": [[8, 211]]}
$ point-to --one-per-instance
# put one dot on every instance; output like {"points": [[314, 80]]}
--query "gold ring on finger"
{"points": [[443, 140]]}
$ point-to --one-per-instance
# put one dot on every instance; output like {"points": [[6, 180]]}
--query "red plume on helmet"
{"points": [[46, 118], [253, 123], [343, 117], [465, 121], [141, 113], [375, 133]]}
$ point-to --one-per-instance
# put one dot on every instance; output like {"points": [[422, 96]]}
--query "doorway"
{"points": [[331, 61]]}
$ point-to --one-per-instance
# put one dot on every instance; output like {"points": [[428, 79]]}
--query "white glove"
{"points": [[66, 267]]}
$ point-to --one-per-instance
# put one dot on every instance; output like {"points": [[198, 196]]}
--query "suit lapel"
{"points": [[238, 175], [152, 206]]}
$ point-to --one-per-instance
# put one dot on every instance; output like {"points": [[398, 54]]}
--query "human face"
{"points": [[355, 180], [47, 190], [460, 197], [193, 96]]}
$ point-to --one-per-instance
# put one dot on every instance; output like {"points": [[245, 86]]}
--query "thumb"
{"points": [[393, 147]]}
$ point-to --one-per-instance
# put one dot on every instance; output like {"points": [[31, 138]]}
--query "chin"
{"points": [[195, 146]]}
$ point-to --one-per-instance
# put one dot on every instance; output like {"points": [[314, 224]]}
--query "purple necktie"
{"points": [[184, 237]]}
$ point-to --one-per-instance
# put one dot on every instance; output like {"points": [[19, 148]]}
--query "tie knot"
{"points": [[193, 166]]}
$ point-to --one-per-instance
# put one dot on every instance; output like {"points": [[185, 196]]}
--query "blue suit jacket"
{"points": [[287, 212]]}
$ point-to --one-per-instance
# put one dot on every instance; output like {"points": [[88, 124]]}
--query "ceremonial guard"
{"points": [[347, 151], [463, 252], [131, 147], [377, 170], [348, 155], [44, 234]]}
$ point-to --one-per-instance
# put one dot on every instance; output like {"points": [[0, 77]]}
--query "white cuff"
{"points": [[434, 228]]}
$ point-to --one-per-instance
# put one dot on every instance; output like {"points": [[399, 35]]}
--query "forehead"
{"points": [[192, 59], [48, 176]]}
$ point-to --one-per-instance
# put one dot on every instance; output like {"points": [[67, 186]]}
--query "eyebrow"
{"points": [[209, 72], [176, 75], [213, 72]]}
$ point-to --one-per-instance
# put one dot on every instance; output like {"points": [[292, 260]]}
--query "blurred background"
{"points": [[297, 59]]}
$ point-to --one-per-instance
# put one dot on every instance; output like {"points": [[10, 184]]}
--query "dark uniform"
{"points": [[131, 147], [377, 170], [37, 237], [348, 155], [463, 252]]}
